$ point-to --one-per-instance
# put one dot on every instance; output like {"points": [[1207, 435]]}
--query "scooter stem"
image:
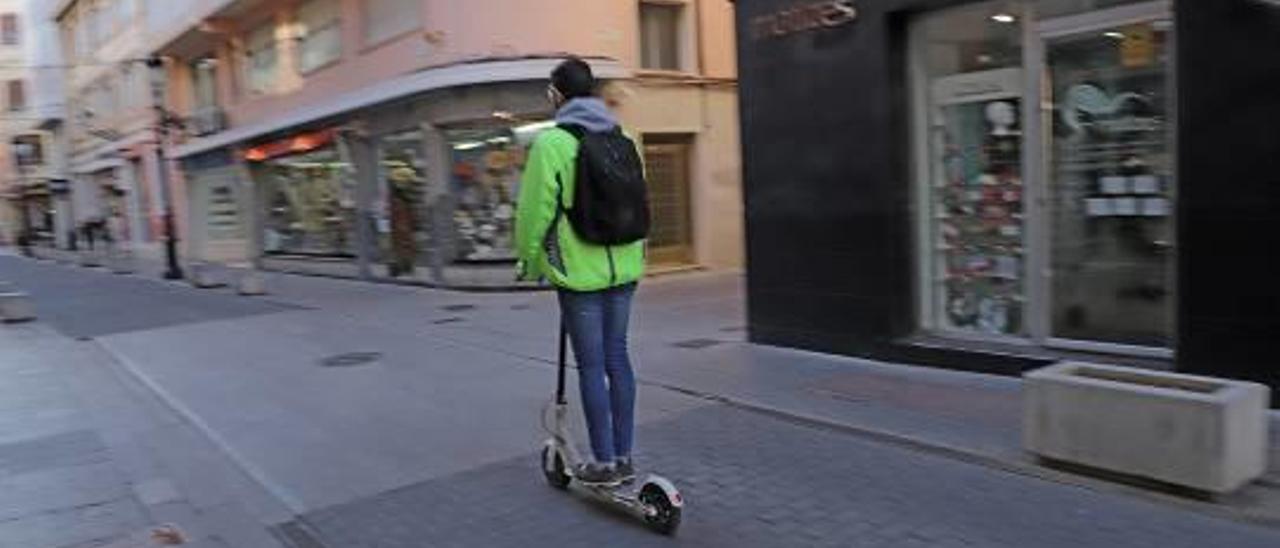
{"points": [[560, 373]]}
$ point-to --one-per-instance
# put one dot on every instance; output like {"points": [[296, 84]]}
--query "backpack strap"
{"points": [[576, 130]]}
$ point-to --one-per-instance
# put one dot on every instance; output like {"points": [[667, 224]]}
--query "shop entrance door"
{"points": [[667, 164], [1106, 206]]}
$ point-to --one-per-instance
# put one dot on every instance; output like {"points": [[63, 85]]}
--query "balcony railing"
{"points": [[206, 121]]}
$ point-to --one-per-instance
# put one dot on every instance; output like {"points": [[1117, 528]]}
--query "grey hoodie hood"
{"points": [[589, 112]]}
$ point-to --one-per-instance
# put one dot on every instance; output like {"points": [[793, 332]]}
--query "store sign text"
{"points": [[804, 18]]}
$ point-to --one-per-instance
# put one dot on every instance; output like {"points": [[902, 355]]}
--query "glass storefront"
{"points": [[310, 203], [1054, 223], [976, 231], [486, 164], [1110, 183]]}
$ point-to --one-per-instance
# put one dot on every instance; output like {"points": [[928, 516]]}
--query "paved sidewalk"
{"points": [[88, 458]]}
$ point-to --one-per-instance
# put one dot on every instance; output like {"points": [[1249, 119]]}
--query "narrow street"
{"points": [[135, 402]]}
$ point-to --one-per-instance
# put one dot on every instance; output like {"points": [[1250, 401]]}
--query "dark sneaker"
{"points": [[625, 469], [599, 475]]}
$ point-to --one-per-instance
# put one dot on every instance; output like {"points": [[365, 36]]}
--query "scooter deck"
{"points": [[630, 489]]}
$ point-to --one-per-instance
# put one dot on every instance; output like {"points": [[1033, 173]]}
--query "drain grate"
{"points": [[697, 344], [521, 306], [458, 307], [351, 359], [297, 534]]}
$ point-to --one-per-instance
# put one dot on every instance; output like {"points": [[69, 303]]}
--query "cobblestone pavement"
{"points": [[753, 480]]}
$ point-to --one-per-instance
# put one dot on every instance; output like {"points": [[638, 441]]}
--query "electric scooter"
{"points": [[654, 500]]}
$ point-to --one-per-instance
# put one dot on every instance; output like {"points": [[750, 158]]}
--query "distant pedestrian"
{"points": [[581, 224]]}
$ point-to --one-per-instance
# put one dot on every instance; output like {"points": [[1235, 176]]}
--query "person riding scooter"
{"points": [[594, 271]]}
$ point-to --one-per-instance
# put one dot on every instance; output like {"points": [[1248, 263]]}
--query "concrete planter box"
{"points": [[91, 259], [1198, 432], [15, 307], [121, 262], [205, 276], [252, 283]]}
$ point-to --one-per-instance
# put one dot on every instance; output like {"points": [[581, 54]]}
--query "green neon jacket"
{"points": [[547, 245]]}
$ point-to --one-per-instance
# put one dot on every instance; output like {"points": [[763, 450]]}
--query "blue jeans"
{"points": [[597, 325]]}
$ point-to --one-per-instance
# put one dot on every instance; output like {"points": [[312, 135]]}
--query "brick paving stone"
{"points": [[752, 480]]}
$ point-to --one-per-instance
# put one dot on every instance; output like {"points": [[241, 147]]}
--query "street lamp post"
{"points": [[156, 65]]}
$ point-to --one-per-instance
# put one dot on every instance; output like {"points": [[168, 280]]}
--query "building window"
{"points": [[667, 160], [320, 34], [263, 60], [17, 95], [9, 29], [135, 87], [204, 83], [660, 35], [386, 19], [97, 26], [29, 150]]}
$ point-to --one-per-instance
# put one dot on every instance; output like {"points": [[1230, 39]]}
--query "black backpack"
{"points": [[610, 198]]}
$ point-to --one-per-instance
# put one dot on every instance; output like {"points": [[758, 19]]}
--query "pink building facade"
{"points": [[384, 138]]}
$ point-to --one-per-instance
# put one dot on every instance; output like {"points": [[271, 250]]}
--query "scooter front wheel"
{"points": [[662, 514], [554, 470]]}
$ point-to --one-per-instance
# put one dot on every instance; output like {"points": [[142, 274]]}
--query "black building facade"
{"points": [[996, 184]]}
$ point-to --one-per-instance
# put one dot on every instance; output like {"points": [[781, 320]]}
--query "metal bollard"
{"points": [[252, 283], [204, 276]]}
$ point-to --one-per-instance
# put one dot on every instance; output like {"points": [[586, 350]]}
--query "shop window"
{"points": [[262, 66], [969, 86], [9, 29], [320, 34], [310, 204], [17, 91], [660, 32], [487, 163], [667, 161], [1110, 192], [386, 19], [403, 224]]}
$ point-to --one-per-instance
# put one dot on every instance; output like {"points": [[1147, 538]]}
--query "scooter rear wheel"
{"points": [[663, 516], [554, 470]]}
